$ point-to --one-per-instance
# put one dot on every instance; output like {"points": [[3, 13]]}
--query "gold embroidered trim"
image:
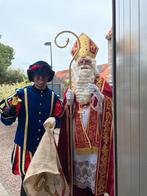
{"points": [[105, 147], [87, 150], [14, 152], [19, 155], [25, 131], [52, 103], [86, 138], [9, 117], [83, 128], [100, 83], [6, 101], [30, 155]]}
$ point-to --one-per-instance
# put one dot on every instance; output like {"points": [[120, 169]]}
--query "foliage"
{"points": [[13, 76], [6, 57], [66, 82], [8, 89], [7, 74]]}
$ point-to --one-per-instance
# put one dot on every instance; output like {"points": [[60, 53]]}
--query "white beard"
{"points": [[80, 80]]}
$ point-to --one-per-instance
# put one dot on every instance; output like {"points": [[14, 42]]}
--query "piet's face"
{"points": [[40, 81]]}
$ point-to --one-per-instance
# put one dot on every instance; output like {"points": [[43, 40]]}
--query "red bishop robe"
{"points": [[100, 140]]}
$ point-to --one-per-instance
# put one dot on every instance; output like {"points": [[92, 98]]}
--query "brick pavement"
{"points": [[9, 183]]}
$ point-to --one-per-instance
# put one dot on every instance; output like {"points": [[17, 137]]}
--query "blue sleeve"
{"points": [[7, 120]]}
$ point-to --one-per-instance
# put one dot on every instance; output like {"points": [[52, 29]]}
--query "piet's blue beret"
{"points": [[40, 67]]}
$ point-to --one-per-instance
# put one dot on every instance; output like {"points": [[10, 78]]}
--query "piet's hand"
{"points": [[69, 96], [9, 111], [97, 97]]}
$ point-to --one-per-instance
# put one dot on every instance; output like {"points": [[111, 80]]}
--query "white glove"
{"points": [[69, 96], [106, 194], [94, 90]]}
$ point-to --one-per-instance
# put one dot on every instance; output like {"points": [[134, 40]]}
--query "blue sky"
{"points": [[27, 25]]}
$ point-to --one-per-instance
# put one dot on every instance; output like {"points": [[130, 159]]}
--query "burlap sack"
{"points": [[44, 176]]}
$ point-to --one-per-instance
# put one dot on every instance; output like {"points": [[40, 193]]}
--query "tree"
{"points": [[13, 76], [6, 57], [7, 74]]}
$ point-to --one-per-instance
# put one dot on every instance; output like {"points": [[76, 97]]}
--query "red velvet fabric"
{"points": [[57, 110], [64, 152], [16, 166]]}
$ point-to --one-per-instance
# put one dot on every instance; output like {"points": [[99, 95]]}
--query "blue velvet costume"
{"points": [[36, 107]]}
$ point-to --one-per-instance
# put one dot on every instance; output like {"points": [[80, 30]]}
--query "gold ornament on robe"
{"points": [[16, 100]]}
